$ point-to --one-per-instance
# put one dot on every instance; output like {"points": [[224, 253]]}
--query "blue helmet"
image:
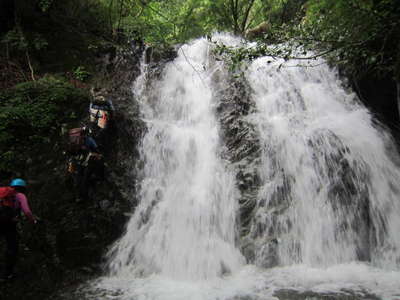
{"points": [[18, 182]]}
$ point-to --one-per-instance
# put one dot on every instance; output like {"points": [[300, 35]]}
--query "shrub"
{"points": [[31, 113]]}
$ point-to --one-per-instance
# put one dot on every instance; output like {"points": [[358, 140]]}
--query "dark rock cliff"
{"points": [[68, 245], [380, 95]]}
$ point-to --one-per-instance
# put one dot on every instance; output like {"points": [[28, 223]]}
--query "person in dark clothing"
{"points": [[102, 114], [94, 164], [89, 166], [8, 225]]}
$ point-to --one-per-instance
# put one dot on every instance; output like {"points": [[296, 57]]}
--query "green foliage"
{"points": [[177, 21], [238, 57], [360, 32], [363, 36], [55, 35], [167, 22], [236, 16], [15, 40], [359, 36], [30, 113], [19, 42], [81, 74], [45, 5]]}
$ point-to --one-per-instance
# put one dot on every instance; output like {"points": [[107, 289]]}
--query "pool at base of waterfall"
{"points": [[353, 281]]}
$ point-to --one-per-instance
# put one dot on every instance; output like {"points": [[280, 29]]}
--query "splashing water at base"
{"points": [[317, 146], [340, 186], [351, 281]]}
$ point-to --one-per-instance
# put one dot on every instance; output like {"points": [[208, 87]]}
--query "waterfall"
{"points": [[274, 182], [330, 188], [184, 226]]}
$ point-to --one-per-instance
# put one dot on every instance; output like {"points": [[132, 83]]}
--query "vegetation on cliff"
{"points": [[52, 51], [51, 35], [31, 113], [359, 36]]}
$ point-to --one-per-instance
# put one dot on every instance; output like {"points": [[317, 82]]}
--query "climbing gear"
{"points": [[18, 182], [71, 166], [86, 161], [76, 141], [8, 210]]}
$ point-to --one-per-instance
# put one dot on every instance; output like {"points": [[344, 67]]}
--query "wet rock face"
{"points": [[99, 223], [242, 149], [241, 141], [348, 190], [69, 244], [380, 95], [264, 216]]}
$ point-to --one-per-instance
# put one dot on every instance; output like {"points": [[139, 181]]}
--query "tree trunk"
{"points": [[246, 17], [30, 65], [234, 15]]}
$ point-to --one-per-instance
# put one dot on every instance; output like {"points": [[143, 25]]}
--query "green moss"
{"points": [[31, 113]]}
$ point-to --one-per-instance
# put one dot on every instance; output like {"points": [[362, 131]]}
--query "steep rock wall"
{"points": [[67, 246]]}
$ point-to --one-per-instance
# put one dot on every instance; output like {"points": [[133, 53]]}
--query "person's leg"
{"points": [[11, 256], [84, 183], [2, 237], [100, 169], [96, 169]]}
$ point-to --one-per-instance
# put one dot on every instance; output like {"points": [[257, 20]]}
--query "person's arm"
{"points": [[92, 145], [93, 148], [23, 201]]}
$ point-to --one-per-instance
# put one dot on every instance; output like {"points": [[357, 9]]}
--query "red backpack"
{"points": [[8, 211], [76, 141]]}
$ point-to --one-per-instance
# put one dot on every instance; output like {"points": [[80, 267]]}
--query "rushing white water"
{"points": [[328, 195], [184, 226], [341, 194]]}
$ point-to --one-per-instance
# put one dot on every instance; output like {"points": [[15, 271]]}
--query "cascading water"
{"points": [[326, 196], [319, 146], [184, 226]]}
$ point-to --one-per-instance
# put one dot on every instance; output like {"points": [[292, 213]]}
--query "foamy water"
{"points": [[332, 168]]}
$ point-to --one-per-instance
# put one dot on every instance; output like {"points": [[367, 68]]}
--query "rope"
{"points": [[197, 72]]}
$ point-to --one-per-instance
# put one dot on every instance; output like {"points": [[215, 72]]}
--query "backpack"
{"points": [[8, 209], [76, 140]]}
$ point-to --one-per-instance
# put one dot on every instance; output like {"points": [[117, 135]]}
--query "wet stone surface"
{"points": [[309, 295]]}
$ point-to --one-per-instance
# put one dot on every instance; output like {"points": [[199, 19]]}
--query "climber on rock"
{"points": [[85, 162], [12, 201], [101, 110]]}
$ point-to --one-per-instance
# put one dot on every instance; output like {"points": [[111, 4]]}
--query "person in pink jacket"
{"points": [[8, 226]]}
